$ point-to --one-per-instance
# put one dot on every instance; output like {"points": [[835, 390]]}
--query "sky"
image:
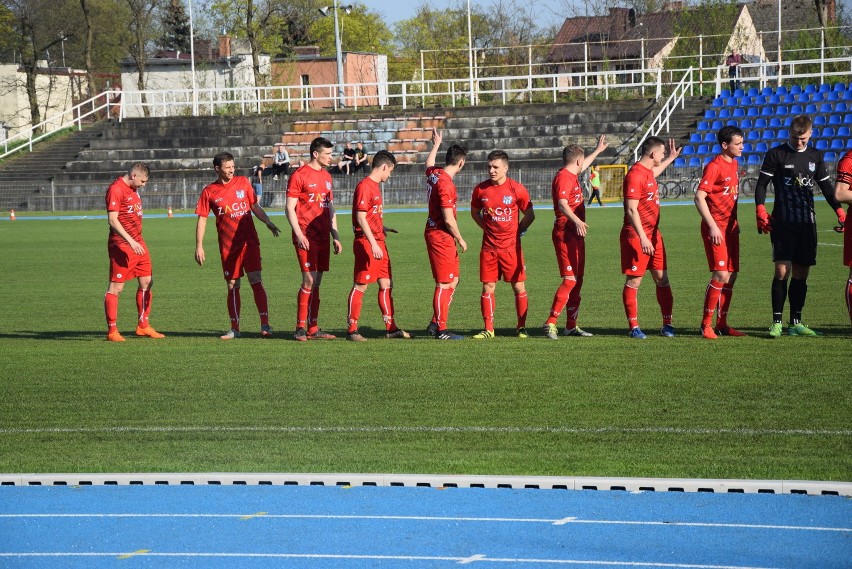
{"points": [[396, 10]]}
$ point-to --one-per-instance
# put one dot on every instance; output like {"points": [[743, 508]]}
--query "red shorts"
{"points": [[315, 259], [847, 240], [507, 264], [726, 255], [240, 260], [367, 269], [443, 256], [634, 262], [570, 253], [125, 265]]}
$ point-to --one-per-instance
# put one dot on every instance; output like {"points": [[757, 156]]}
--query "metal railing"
{"points": [[766, 74], [675, 100]]}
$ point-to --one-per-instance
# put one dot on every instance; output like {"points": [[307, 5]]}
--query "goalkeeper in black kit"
{"points": [[795, 169]]}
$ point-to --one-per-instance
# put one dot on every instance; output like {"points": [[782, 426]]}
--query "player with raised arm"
{"points": [[642, 246], [843, 193], [496, 206], [232, 201], [716, 200], [372, 262], [569, 237], [794, 169], [442, 233], [129, 257], [310, 211]]}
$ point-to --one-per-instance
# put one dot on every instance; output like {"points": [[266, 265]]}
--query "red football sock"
{"points": [[631, 305], [386, 306], [849, 298], [234, 308], [521, 306], [561, 297], [143, 306], [572, 309], [111, 311], [313, 310], [303, 299], [711, 302], [355, 303], [441, 301], [486, 305], [261, 302], [666, 302], [724, 305]]}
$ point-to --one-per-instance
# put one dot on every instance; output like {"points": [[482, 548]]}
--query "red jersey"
{"points": [[721, 183], [844, 169], [368, 198], [313, 190], [231, 205], [126, 201], [500, 208], [440, 193], [566, 186], [640, 184]]}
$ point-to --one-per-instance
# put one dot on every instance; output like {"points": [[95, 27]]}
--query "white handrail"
{"points": [[662, 119]]}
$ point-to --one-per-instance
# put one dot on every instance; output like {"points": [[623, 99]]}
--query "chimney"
{"points": [[224, 46]]}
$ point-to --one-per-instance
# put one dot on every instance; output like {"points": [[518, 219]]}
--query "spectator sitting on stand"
{"points": [[281, 161]]}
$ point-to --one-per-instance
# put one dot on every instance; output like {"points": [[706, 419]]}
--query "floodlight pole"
{"points": [[340, 90]]}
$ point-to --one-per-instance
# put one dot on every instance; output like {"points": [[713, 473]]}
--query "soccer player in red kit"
{"points": [[372, 263], [128, 254], [442, 233], [716, 200], [496, 206], [642, 246], [843, 194], [569, 237], [310, 211], [231, 199]]}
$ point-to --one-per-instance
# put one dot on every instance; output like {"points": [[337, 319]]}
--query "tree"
{"points": [[143, 34], [360, 30], [176, 29]]}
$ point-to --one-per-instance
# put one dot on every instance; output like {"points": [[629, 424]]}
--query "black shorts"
{"points": [[794, 242]]}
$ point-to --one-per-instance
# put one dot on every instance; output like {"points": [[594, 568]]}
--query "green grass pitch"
{"points": [[603, 406]]}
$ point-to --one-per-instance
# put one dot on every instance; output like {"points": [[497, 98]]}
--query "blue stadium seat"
{"points": [[753, 112], [766, 91], [824, 88], [680, 162], [753, 92], [803, 97], [738, 93], [732, 102], [725, 93], [746, 123], [767, 111], [783, 134], [795, 89], [818, 97], [810, 89], [834, 119], [828, 132], [703, 149], [695, 138], [830, 157], [843, 131], [849, 144], [781, 110], [789, 99], [810, 109], [841, 107], [768, 135], [838, 144], [788, 121], [748, 148], [781, 90], [821, 144], [753, 160], [717, 102], [814, 132], [703, 125], [839, 87], [716, 149], [688, 150], [774, 122], [738, 112], [732, 122], [761, 147], [753, 135], [694, 162], [847, 95], [760, 123], [832, 97], [709, 137], [796, 110], [819, 120], [707, 160], [847, 119], [710, 114], [717, 124], [826, 108], [724, 113]]}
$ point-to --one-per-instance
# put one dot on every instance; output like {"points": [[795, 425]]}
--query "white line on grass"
{"points": [[425, 429], [459, 560], [559, 522]]}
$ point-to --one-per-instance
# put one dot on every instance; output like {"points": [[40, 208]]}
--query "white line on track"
{"points": [[459, 560], [416, 429], [559, 522]]}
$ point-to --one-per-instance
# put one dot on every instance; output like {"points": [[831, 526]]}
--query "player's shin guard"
{"points": [[441, 301], [234, 308], [724, 306], [111, 310], [561, 297], [261, 302], [797, 293], [386, 306], [666, 301], [521, 308], [143, 306], [356, 298], [711, 302], [486, 305], [303, 299], [631, 305], [779, 297], [313, 310]]}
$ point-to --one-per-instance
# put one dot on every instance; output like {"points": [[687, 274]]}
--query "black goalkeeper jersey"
{"points": [[795, 176]]}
